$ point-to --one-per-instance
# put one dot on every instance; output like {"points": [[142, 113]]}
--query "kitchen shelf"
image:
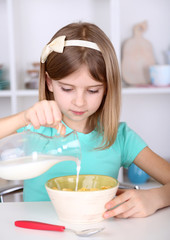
{"points": [[5, 93], [125, 91], [27, 93], [144, 90]]}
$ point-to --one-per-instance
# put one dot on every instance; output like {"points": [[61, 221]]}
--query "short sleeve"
{"points": [[131, 144]]}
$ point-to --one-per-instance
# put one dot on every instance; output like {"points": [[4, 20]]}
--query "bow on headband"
{"points": [[58, 44]]}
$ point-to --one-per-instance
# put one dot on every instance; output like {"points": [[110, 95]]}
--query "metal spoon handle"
{"points": [[39, 225]]}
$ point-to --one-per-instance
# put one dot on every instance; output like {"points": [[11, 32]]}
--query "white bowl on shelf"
{"points": [[160, 75]]}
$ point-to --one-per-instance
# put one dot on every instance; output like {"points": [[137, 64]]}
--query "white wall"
{"points": [[149, 115]]}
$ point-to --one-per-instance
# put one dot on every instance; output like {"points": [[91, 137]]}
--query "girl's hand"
{"points": [[133, 203], [45, 113]]}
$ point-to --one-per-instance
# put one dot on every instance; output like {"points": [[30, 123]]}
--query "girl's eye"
{"points": [[66, 89], [93, 91]]}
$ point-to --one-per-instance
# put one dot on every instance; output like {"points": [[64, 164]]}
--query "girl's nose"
{"points": [[79, 99]]}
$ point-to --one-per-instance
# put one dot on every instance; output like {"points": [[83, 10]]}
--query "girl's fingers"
{"points": [[48, 113], [132, 203], [129, 213], [59, 126], [41, 116], [63, 130], [57, 116], [119, 208], [52, 113], [30, 117], [119, 199], [44, 113], [34, 120], [35, 115]]}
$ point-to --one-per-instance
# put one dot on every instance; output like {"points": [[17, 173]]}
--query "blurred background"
{"points": [[139, 31]]}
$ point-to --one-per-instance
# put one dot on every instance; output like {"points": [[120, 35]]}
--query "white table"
{"points": [[156, 227]]}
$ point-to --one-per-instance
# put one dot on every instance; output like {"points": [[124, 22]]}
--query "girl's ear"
{"points": [[49, 82]]}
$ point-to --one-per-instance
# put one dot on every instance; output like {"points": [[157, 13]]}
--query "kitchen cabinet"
{"points": [[28, 25]]}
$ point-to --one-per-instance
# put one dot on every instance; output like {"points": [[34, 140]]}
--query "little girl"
{"points": [[80, 88]]}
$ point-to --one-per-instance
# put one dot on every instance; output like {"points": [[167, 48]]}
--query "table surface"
{"points": [[154, 227]]}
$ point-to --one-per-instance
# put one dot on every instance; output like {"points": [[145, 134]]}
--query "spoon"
{"points": [[51, 227]]}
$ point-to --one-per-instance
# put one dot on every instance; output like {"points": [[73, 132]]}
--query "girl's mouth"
{"points": [[77, 113]]}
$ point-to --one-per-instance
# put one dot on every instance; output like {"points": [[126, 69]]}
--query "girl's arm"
{"points": [[9, 125], [142, 203], [159, 169], [43, 113]]}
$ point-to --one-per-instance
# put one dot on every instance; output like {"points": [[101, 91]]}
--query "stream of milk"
{"points": [[27, 167]]}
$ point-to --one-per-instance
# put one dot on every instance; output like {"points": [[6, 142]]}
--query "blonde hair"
{"points": [[103, 67]]}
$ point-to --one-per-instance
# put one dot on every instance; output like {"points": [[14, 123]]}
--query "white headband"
{"points": [[58, 44]]}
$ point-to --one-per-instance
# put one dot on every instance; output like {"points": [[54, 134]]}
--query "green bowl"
{"points": [[85, 181]]}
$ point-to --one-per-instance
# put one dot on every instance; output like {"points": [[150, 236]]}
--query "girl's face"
{"points": [[78, 96]]}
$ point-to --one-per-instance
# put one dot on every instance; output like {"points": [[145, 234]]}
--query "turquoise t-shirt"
{"points": [[105, 162]]}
